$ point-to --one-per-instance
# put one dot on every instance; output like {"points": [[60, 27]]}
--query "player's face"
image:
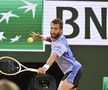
{"points": [[55, 31]]}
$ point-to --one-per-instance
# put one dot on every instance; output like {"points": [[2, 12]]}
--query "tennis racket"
{"points": [[10, 66]]}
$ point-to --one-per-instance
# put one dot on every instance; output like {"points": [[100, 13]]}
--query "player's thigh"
{"points": [[64, 85]]}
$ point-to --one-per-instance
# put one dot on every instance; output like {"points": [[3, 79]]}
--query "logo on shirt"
{"points": [[57, 46]]}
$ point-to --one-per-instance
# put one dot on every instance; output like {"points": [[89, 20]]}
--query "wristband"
{"points": [[46, 66], [44, 37]]}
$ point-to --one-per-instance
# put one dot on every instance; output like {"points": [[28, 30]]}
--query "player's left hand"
{"points": [[36, 36]]}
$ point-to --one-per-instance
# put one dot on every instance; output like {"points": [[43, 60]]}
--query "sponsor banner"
{"points": [[85, 23], [17, 19]]}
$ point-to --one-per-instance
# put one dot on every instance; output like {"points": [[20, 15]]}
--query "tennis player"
{"points": [[62, 54]]}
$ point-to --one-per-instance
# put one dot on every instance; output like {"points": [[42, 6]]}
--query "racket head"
{"points": [[9, 66]]}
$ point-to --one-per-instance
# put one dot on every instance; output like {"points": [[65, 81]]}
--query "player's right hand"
{"points": [[36, 36], [41, 70]]}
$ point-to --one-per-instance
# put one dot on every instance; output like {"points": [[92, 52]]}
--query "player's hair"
{"points": [[58, 21], [8, 85]]}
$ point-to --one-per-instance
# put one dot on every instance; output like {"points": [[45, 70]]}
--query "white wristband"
{"points": [[44, 37], [46, 66]]}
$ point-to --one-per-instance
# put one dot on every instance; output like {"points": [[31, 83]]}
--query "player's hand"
{"points": [[42, 70], [36, 36]]}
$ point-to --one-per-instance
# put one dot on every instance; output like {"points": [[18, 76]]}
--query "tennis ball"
{"points": [[30, 40]]}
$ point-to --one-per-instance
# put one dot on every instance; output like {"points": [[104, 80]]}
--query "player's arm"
{"points": [[37, 36], [49, 62]]}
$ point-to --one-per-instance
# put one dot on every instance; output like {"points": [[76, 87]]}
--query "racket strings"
{"points": [[9, 66]]}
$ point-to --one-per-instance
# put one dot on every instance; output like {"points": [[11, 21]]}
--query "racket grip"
{"points": [[31, 69]]}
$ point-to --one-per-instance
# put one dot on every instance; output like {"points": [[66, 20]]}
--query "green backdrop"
{"points": [[17, 19]]}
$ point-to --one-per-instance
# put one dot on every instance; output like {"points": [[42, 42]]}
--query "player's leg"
{"points": [[64, 85], [70, 83]]}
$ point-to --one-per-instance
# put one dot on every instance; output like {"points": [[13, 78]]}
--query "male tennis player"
{"points": [[62, 54]]}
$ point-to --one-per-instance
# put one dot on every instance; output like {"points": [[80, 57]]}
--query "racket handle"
{"points": [[31, 69]]}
